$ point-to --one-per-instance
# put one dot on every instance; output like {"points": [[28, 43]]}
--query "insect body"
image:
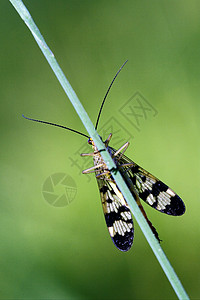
{"points": [[142, 185]]}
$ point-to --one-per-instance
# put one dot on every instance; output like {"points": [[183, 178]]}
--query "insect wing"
{"points": [[150, 189], [117, 214]]}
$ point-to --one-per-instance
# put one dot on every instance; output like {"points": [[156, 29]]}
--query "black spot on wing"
{"points": [[113, 216], [104, 189], [125, 242], [143, 178], [135, 169], [109, 200], [158, 187], [176, 207], [143, 195], [133, 179]]}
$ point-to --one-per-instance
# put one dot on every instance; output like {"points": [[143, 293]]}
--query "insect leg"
{"points": [[93, 153], [124, 147], [108, 140], [87, 154], [92, 169]]}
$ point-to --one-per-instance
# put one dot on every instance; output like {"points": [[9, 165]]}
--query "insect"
{"points": [[141, 183]]}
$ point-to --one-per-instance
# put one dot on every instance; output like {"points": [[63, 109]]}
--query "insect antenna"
{"points": [[102, 104], [97, 122], [53, 124]]}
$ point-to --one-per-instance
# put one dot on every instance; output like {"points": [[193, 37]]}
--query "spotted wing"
{"points": [[150, 189], [117, 214]]}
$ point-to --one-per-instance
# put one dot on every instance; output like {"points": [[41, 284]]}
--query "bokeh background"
{"points": [[51, 252]]}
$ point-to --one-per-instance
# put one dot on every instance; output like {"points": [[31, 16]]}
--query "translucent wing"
{"points": [[149, 188], [117, 214], [141, 184]]}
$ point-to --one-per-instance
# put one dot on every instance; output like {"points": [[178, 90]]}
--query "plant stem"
{"points": [[164, 262]]}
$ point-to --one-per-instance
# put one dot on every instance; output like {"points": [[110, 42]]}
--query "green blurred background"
{"points": [[50, 252]]}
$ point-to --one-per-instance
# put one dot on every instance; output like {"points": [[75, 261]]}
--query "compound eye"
{"points": [[90, 141]]}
